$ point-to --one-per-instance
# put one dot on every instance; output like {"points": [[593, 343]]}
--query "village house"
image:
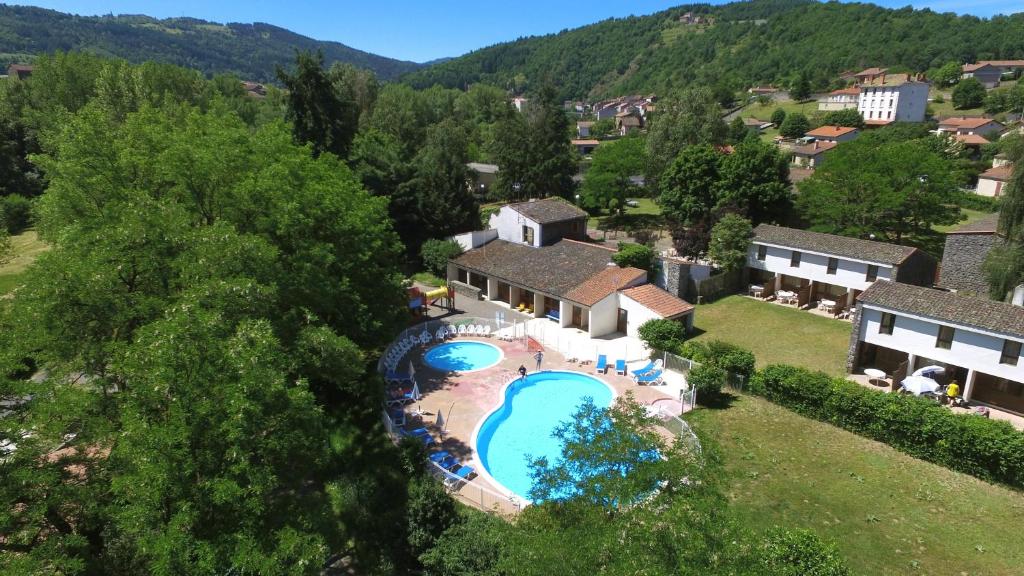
{"points": [[891, 98], [964, 125], [899, 328], [583, 129], [818, 266], [532, 259], [983, 72], [254, 89], [585, 146], [627, 122], [20, 71], [964, 256], [842, 99], [811, 155], [869, 75], [755, 124], [834, 134], [1008, 67], [520, 103], [992, 182]]}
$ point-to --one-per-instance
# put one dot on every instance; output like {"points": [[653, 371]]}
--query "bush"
{"points": [[939, 99], [729, 357], [15, 213], [436, 253], [980, 203], [778, 116], [800, 553], [988, 449], [708, 380], [661, 334], [969, 93], [635, 255], [795, 125]]}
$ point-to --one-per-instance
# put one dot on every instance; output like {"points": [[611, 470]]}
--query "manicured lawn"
{"points": [[646, 207], [760, 112], [25, 248], [776, 334], [972, 216], [888, 512], [427, 278]]}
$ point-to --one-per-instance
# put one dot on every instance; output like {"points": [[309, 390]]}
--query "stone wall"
{"points": [[962, 262], [851, 354], [918, 269]]}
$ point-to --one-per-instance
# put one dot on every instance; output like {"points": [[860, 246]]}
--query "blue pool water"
{"points": [[520, 429], [463, 356]]}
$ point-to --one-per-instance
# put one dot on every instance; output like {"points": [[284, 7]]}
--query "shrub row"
{"points": [[988, 449], [729, 357]]}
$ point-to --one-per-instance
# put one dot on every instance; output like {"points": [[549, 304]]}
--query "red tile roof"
{"points": [[815, 148], [973, 67], [830, 131], [871, 71], [971, 139], [585, 142], [845, 92], [604, 283], [878, 122], [658, 301], [966, 121], [998, 173], [1003, 63]]}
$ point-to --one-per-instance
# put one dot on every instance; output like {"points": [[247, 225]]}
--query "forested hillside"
{"points": [[252, 51], [657, 52]]}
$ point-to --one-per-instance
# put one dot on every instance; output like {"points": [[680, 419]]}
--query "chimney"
{"points": [[1018, 296]]}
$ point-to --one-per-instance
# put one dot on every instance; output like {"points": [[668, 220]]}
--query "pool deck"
{"points": [[464, 400]]}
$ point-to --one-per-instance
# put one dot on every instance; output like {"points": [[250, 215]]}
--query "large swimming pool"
{"points": [[520, 429], [465, 356]]}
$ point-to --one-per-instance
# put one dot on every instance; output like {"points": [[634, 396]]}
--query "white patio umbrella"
{"points": [[918, 385], [929, 370]]}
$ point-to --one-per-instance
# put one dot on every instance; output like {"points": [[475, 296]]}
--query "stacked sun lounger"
{"points": [[455, 472]]}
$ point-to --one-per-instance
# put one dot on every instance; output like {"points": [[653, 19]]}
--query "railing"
{"points": [[578, 346], [475, 494], [431, 327], [679, 428], [675, 363]]}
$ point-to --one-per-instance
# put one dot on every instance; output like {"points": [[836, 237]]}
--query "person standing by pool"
{"points": [[539, 357], [522, 372]]}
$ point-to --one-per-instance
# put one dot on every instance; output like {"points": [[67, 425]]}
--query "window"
{"points": [[945, 339], [887, 324], [1011, 352], [762, 253], [794, 260], [872, 274], [889, 115], [528, 235], [833, 263]]}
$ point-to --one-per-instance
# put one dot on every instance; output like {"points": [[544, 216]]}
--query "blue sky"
{"points": [[422, 30]]}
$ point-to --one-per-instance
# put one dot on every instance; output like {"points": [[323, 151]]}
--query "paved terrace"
{"points": [[464, 399]]}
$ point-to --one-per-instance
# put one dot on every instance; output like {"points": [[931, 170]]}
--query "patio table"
{"points": [[874, 374]]}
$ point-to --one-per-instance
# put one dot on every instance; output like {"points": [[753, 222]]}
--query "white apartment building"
{"points": [[843, 99], [893, 98], [823, 266], [899, 328]]}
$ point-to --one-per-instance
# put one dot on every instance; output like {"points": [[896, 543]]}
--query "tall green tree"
{"points": [[688, 186], [800, 90], [730, 239], [607, 184], [946, 75], [795, 125], [1004, 264], [754, 180], [320, 115], [969, 93], [691, 117]]}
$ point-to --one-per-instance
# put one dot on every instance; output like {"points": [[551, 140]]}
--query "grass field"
{"points": [[760, 112], [888, 512], [25, 248], [776, 334], [972, 216], [646, 207]]}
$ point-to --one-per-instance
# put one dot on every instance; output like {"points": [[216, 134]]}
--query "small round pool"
{"points": [[519, 430], [465, 356]]}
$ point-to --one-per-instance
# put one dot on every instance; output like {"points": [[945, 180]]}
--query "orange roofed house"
{"points": [[531, 259], [835, 134]]}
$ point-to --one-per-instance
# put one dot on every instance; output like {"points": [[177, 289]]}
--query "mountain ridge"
{"points": [[251, 50]]}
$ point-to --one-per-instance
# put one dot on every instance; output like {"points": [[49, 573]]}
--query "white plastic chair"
{"points": [[462, 329]]}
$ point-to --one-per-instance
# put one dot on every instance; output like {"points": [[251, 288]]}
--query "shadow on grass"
{"points": [[721, 401]]}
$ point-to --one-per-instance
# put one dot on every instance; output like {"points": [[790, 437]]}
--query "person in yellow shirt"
{"points": [[952, 391]]}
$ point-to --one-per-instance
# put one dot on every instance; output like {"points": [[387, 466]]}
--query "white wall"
{"points": [[509, 225], [604, 315], [990, 188], [971, 349], [636, 314], [908, 102], [849, 274], [564, 313], [475, 239]]}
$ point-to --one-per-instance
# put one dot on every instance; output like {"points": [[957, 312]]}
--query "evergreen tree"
{"points": [[801, 88], [778, 116], [533, 150], [969, 93], [795, 125], [320, 115], [691, 117]]}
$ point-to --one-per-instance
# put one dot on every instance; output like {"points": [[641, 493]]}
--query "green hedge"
{"points": [[988, 449], [729, 357]]}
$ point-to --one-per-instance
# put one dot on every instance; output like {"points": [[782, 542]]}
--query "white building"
{"points": [[964, 125], [992, 182], [899, 328], [824, 266], [529, 261], [842, 99], [893, 98]]}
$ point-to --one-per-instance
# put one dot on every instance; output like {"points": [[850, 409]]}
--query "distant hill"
{"points": [[252, 51], [747, 43]]}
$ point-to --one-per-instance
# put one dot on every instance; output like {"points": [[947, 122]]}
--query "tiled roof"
{"points": [[605, 282], [585, 142], [891, 80], [845, 92], [998, 173], [548, 210], [973, 67], [871, 71], [658, 301], [1003, 63], [815, 148], [554, 269], [984, 225], [878, 122], [971, 139], [830, 131], [629, 121], [947, 307], [867, 250], [584, 124], [966, 122]]}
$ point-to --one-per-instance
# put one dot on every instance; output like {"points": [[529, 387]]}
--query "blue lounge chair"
{"points": [[645, 369], [458, 476], [437, 457], [650, 379], [602, 364], [620, 367], [422, 434]]}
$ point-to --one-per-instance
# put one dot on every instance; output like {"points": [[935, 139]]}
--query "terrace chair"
{"points": [[421, 434], [620, 367], [440, 334], [602, 364], [398, 378], [650, 379], [425, 337], [458, 476], [397, 416], [452, 331], [486, 332], [443, 460], [645, 369], [462, 329]]}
